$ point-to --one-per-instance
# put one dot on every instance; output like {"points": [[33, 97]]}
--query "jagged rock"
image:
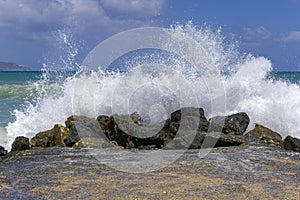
{"points": [[291, 143], [21, 143], [128, 132], [191, 113], [113, 132], [184, 124], [107, 124], [3, 152], [137, 135], [90, 142], [83, 127], [50, 138], [233, 124], [264, 135], [136, 118]]}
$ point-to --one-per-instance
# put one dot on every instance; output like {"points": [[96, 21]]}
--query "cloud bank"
{"points": [[34, 17]]}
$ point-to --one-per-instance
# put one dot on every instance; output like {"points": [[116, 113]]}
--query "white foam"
{"points": [[275, 104]]}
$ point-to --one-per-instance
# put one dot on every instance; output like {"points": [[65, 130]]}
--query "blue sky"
{"points": [[31, 30]]}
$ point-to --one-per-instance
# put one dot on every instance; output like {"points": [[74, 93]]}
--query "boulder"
{"points": [[21, 143], [218, 139], [83, 127], [184, 124], [50, 138], [113, 132], [191, 113], [291, 143], [233, 124], [264, 135], [3, 152], [136, 118], [107, 125], [128, 132]]}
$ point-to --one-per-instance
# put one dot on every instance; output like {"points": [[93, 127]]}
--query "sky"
{"points": [[37, 32]]}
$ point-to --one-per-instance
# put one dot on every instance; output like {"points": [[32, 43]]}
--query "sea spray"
{"points": [[245, 79]]}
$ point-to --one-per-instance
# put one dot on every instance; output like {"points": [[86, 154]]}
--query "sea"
{"points": [[34, 101]]}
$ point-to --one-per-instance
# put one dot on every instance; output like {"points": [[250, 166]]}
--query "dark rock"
{"points": [[217, 139], [186, 140], [190, 113], [181, 130], [21, 143], [113, 132], [107, 124], [83, 127], [291, 143], [184, 124], [128, 132], [233, 124], [205, 140], [136, 118], [261, 134], [50, 138], [3, 152]]}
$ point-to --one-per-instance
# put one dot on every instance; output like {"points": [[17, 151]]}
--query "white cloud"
{"points": [[24, 13], [140, 8], [259, 33], [292, 37], [36, 17]]}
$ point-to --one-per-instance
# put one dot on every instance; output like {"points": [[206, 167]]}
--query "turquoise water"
{"points": [[15, 89], [291, 77], [19, 88]]}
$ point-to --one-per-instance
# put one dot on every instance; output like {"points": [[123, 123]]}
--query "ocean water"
{"points": [[154, 84]]}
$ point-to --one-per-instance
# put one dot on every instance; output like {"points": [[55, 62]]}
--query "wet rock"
{"points": [[188, 121], [83, 127], [3, 152], [233, 124], [21, 143], [191, 113], [128, 132], [180, 131], [186, 140], [205, 140], [264, 135], [136, 118], [91, 142], [107, 124], [291, 143], [217, 139], [50, 138], [113, 132]]}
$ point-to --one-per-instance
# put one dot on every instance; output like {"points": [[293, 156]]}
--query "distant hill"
{"points": [[8, 66]]}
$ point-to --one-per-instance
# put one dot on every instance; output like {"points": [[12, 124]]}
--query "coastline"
{"points": [[241, 172]]}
